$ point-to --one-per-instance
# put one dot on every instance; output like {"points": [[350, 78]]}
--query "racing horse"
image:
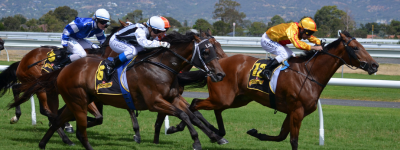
{"points": [[29, 69], [298, 87], [156, 90]]}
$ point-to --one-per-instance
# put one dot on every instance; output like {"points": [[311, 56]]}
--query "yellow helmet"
{"points": [[308, 24]]}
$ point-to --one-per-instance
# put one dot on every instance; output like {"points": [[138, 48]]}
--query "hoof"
{"points": [[222, 141], [196, 146], [136, 138], [171, 130], [71, 144], [14, 120], [252, 132], [69, 129], [42, 145]]}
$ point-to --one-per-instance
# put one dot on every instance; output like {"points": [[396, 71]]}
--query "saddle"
{"points": [[56, 58]]}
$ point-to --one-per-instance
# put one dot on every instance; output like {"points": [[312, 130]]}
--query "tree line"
{"points": [[329, 20]]}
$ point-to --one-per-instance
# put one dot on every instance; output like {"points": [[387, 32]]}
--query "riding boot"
{"points": [[110, 67], [62, 63], [267, 72]]}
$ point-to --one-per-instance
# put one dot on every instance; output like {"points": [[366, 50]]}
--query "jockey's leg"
{"points": [[282, 52], [126, 52]]}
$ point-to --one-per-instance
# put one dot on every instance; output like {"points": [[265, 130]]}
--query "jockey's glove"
{"points": [[164, 44]]}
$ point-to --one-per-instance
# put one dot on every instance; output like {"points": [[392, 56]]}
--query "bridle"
{"points": [[350, 51]]}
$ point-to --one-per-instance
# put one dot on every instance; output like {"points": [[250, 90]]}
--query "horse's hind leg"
{"points": [[56, 126], [92, 108], [282, 135], [135, 124], [16, 92]]}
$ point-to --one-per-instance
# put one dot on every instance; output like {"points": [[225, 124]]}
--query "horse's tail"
{"points": [[196, 79], [8, 78], [46, 82]]}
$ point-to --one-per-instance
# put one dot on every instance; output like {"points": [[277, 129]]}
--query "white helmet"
{"points": [[156, 22], [101, 14]]}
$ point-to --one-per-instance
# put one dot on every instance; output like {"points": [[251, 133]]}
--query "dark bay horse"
{"points": [[296, 94], [152, 87]]}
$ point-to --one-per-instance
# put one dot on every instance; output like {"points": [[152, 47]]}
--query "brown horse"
{"points": [[298, 90], [1, 44], [155, 91], [29, 69]]}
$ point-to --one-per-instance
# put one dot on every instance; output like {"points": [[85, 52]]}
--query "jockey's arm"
{"points": [[314, 40], [292, 35], [101, 37], [70, 28], [143, 41]]}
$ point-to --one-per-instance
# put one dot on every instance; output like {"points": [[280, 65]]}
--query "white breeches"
{"points": [[121, 46], [77, 47], [282, 52]]}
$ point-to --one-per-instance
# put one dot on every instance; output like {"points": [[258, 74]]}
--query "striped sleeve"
{"points": [[71, 28]]}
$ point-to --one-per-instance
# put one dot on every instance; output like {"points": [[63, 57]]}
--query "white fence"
{"points": [[378, 48]]}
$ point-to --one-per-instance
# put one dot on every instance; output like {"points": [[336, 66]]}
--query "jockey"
{"points": [[132, 39], [276, 38], [75, 32]]}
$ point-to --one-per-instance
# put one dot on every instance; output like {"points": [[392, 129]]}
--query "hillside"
{"points": [[363, 11]]}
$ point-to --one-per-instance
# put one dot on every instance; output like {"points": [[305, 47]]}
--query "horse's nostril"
{"points": [[221, 75], [375, 65]]}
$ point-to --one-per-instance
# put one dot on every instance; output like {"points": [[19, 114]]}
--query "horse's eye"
{"points": [[355, 48]]}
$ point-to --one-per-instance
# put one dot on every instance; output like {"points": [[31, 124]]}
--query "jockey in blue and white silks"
{"points": [[132, 39], [74, 34]]}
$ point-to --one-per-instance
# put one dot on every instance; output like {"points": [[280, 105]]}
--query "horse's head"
{"points": [[205, 57], [1, 44], [357, 54], [217, 46]]}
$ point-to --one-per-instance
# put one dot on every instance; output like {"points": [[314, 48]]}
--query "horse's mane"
{"points": [[308, 54], [176, 37]]}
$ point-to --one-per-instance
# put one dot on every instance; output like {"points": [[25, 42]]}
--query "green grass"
{"points": [[345, 128]]}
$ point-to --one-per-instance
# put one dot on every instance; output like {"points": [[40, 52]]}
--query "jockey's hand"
{"points": [[317, 48], [164, 44]]}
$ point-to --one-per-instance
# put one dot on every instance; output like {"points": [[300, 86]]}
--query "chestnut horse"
{"points": [[29, 69], [156, 90], [298, 90]]}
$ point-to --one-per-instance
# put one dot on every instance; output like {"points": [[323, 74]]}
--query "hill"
{"points": [[362, 11]]}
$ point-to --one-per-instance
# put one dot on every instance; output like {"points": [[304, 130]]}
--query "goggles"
{"points": [[155, 31], [308, 32], [103, 22]]}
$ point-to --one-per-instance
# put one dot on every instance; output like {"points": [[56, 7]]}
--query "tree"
{"points": [[275, 20], [173, 22], [2, 28], [53, 24], [257, 28], [11, 23], [228, 12], [220, 28], [32, 24], [64, 14], [134, 16], [20, 18], [330, 18], [202, 24]]}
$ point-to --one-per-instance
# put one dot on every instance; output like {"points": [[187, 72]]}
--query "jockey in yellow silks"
{"points": [[277, 37]]}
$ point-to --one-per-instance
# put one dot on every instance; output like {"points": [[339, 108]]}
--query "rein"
{"points": [[195, 49], [346, 45]]}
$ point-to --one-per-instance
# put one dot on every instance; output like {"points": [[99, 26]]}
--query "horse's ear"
{"points": [[123, 23], [342, 36], [203, 34], [209, 31]]}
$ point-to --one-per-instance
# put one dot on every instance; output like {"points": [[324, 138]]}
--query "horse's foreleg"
{"points": [[198, 123], [157, 126], [282, 135], [221, 127], [135, 124], [296, 117], [162, 106]]}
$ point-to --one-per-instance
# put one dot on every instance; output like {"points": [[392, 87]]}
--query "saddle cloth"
{"points": [[256, 82], [53, 57], [114, 84]]}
